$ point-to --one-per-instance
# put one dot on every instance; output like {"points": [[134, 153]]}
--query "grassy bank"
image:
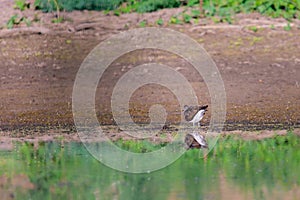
{"points": [[223, 8]]}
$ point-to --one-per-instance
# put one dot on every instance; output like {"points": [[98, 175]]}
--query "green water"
{"points": [[234, 169]]}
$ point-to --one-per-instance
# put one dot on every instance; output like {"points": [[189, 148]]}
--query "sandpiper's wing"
{"points": [[190, 111], [189, 139], [200, 139]]}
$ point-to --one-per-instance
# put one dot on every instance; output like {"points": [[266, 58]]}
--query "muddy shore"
{"points": [[260, 70]]}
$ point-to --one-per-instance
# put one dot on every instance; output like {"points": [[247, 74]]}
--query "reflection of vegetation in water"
{"points": [[142, 146], [71, 173], [253, 164]]}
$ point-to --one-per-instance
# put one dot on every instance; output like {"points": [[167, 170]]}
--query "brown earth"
{"points": [[260, 69]]}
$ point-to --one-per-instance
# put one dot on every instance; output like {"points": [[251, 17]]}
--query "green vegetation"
{"points": [[131, 5], [175, 20], [16, 20], [69, 5], [253, 28], [273, 8], [138, 146], [69, 171], [21, 4], [57, 20], [143, 23], [256, 161], [153, 5], [225, 9], [187, 18], [287, 27], [160, 22], [217, 10]]}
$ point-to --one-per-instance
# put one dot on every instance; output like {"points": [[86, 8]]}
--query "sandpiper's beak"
{"points": [[205, 107]]}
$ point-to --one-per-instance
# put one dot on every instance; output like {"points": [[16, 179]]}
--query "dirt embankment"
{"points": [[260, 69]]}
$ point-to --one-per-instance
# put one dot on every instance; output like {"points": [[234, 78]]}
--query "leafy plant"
{"points": [[195, 13], [106, 12], [117, 12], [196, 21], [224, 10], [253, 28], [143, 23], [216, 19], [160, 22], [187, 18], [21, 4], [69, 5], [15, 20], [287, 27], [175, 20], [57, 20], [26, 21], [153, 5], [192, 2]]}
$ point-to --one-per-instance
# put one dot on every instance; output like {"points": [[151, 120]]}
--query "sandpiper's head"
{"points": [[204, 107], [185, 107]]}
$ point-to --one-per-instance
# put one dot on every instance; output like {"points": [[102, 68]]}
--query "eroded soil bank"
{"points": [[260, 70]]}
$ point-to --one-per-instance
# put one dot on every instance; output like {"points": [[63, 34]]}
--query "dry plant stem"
{"points": [[201, 8], [57, 8]]}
